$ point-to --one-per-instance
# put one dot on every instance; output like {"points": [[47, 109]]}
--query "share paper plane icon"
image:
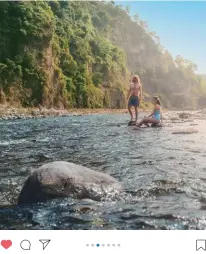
{"points": [[45, 242]]}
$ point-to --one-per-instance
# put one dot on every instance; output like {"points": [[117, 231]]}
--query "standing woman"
{"points": [[134, 96], [155, 117]]}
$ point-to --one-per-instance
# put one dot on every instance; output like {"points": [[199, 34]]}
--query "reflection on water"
{"points": [[164, 174]]}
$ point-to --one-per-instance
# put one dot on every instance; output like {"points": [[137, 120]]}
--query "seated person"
{"points": [[155, 117]]}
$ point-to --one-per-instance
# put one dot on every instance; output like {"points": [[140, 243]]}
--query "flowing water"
{"points": [[164, 175]]}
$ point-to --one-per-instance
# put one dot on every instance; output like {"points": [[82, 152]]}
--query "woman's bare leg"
{"points": [[147, 120], [146, 124], [140, 123]]}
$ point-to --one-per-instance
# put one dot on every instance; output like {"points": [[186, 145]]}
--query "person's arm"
{"points": [[151, 114], [140, 96], [129, 92]]}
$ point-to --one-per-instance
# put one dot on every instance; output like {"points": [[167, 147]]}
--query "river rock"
{"points": [[156, 125], [185, 115], [64, 179], [131, 123], [185, 131], [174, 118]]}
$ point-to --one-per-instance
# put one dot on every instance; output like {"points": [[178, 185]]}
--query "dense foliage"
{"points": [[80, 54]]}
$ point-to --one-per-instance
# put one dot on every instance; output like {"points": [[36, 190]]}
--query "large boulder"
{"points": [[64, 179]]}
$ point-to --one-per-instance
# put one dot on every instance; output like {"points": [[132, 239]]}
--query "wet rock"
{"points": [[29, 117], [64, 179], [188, 121], [4, 203], [156, 125], [185, 131], [202, 111], [43, 157], [174, 118], [168, 125], [131, 123], [185, 115]]}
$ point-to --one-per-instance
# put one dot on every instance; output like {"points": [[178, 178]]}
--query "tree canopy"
{"points": [[80, 54]]}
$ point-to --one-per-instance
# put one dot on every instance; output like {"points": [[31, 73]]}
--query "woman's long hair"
{"points": [[157, 100], [137, 77]]}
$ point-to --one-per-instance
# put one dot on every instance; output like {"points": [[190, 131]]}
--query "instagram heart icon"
{"points": [[6, 244]]}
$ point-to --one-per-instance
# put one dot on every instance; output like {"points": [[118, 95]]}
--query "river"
{"points": [[164, 175]]}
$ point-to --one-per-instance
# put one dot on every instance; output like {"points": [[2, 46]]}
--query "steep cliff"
{"points": [[80, 54]]}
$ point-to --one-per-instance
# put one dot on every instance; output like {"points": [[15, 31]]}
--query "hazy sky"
{"points": [[181, 26]]}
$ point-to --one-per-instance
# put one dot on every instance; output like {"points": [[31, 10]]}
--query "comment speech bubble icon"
{"points": [[25, 245]]}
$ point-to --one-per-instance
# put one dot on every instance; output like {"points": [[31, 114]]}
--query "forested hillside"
{"points": [[81, 54]]}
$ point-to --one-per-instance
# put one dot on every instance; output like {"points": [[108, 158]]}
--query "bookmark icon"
{"points": [[201, 245]]}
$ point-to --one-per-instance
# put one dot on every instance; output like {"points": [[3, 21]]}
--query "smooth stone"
{"points": [[63, 179]]}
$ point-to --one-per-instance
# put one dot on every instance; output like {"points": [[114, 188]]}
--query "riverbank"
{"points": [[11, 113]]}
